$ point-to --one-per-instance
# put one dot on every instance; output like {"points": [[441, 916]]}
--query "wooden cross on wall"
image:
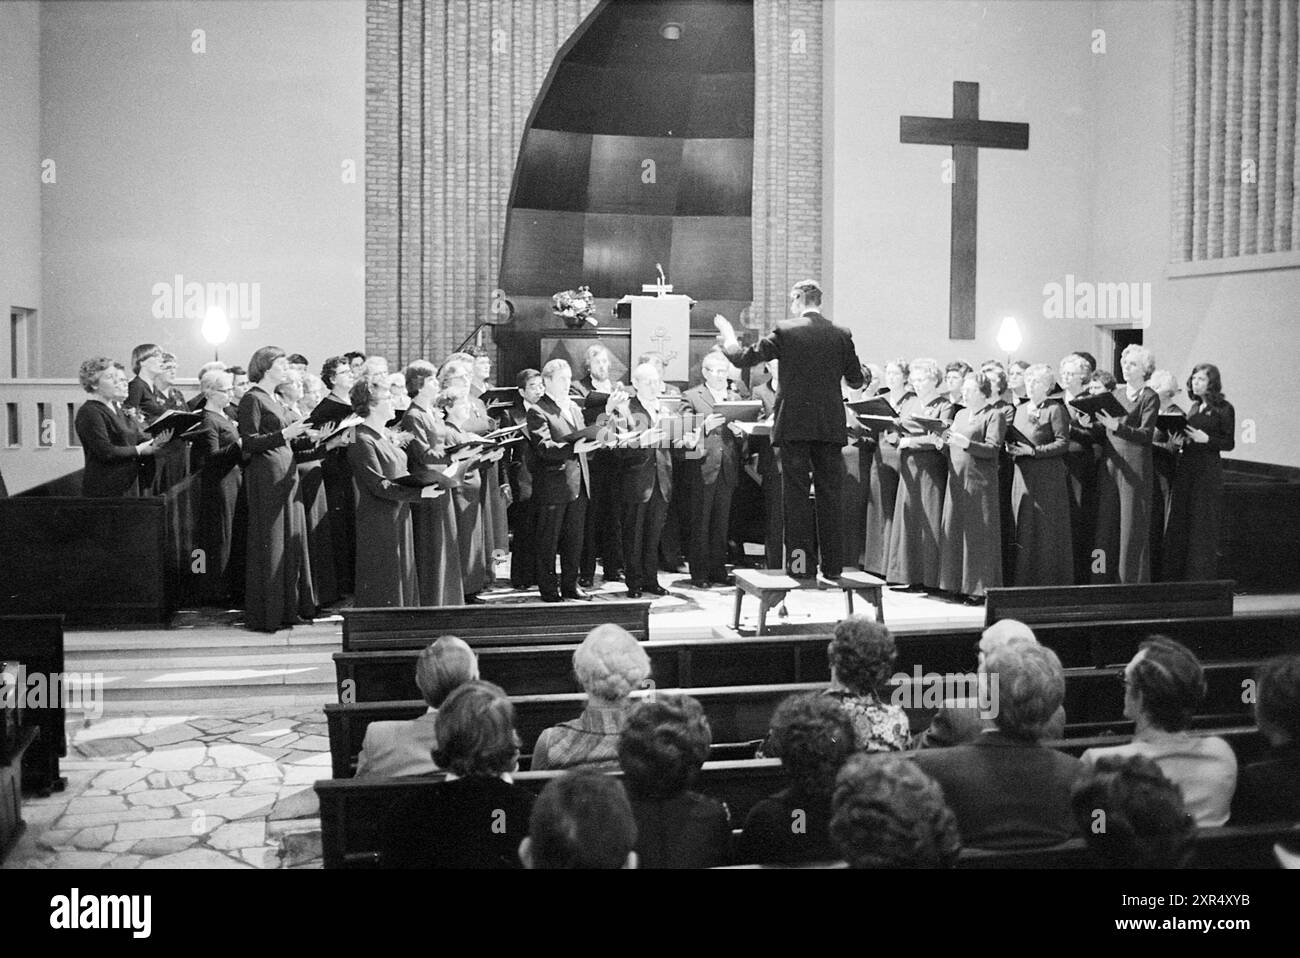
{"points": [[965, 132]]}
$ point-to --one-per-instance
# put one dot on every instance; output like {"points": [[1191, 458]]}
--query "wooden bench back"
{"points": [[532, 623], [1154, 600], [36, 641]]}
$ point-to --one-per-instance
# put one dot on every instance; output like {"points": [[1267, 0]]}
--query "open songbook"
{"points": [[448, 477], [739, 410], [1100, 402], [1016, 437], [921, 425], [507, 434], [343, 425], [499, 397], [178, 419], [761, 428]]}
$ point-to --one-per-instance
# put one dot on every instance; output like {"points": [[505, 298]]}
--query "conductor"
{"points": [[809, 426]]}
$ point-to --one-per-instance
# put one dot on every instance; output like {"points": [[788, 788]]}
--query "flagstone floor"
{"points": [[180, 791]]}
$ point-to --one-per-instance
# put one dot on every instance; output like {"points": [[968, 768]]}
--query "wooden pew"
{"points": [[685, 663], [535, 623], [96, 561], [36, 642], [1248, 846], [1156, 600], [351, 810]]}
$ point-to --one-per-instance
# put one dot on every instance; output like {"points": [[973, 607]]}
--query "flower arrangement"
{"points": [[576, 306]]}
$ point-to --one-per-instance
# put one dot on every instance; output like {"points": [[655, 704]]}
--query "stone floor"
{"points": [[181, 791]]}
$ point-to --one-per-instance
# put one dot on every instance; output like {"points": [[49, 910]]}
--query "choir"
{"points": [[406, 488]]}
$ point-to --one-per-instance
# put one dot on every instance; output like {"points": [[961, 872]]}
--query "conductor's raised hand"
{"points": [[726, 332]]}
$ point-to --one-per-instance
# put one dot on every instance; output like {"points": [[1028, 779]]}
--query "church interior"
{"points": [[993, 181]]}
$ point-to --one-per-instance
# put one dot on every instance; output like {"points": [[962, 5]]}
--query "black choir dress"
{"points": [[1196, 509], [385, 573], [1040, 495], [467, 500], [1164, 459], [468, 421], [307, 458], [1082, 466], [277, 581], [971, 540], [853, 498], [882, 497], [1124, 492], [914, 555], [769, 470], [437, 551], [340, 493], [496, 525], [108, 436], [223, 510]]}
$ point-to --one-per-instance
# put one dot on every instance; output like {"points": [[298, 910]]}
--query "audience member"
{"points": [[661, 750], [582, 819], [1131, 815], [887, 813], [1269, 789], [862, 657]]}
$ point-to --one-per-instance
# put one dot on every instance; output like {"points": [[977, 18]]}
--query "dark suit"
{"points": [[603, 536], [769, 468], [340, 493], [1005, 792], [714, 468], [1268, 790], [223, 509], [809, 430], [108, 439], [561, 485], [645, 486], [522, 514]]}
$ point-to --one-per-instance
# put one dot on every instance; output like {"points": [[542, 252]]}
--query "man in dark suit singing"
{"points": [[561, 483], [809, 428]]}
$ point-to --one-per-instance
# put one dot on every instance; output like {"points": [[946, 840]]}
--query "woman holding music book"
{"points": [[437, 548], [1124, 480], [385, 573], [277, 579], [307, 454], [223, 509], [1082, 458], [914, 557], [971, 541], [1040, 497], [882, 483], [111, 439], [471, 415], [1164, 453], [340, 492], [1196, 501], [857, 451], [467, 498]]}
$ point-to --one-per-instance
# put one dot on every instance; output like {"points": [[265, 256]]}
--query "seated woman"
{"points": [[609, 664], [1147, 825], [862, 657], [1269, 789], [813, 736], [479, 818], [887, 813], [111, 439], [386, 572], [661, 750], [1164, 685], [405, 748], [218, 460]]}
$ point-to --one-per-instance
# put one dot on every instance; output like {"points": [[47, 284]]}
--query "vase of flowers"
{"points": [[577, 307]]}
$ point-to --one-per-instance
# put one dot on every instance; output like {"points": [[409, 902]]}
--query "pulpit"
{"points": [[662, 324]]}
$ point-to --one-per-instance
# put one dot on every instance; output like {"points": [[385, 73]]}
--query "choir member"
{"points": [[467, 498], [480, 373], [656, 359], [914, 556], [1044, 553], [1082, 463], [299, 362], [223, 511], [1003, 401], [237, 390], [1196, 514], [195, 404], [769, 470], [561, 483], [437, 549], [386, 572], [277, 581], [340, 492], [1163, 455], [1016, 381], [355, 360], [523, 512], [676, 531], [645, 482], [603, 536], [971, 562], [313, 391], [954, 379], [111, 439], [144, 392], [714, 464], [397, 395], [472, 416], [882, 485], [311, 500], [856, 452], [1124, 481]]}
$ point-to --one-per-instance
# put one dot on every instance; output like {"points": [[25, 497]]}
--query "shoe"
{"points": [[655, 590], [577, 595], [475, 600], [634, 593], [552, 598], [586, 581], [615, 576], [700, 583]]}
